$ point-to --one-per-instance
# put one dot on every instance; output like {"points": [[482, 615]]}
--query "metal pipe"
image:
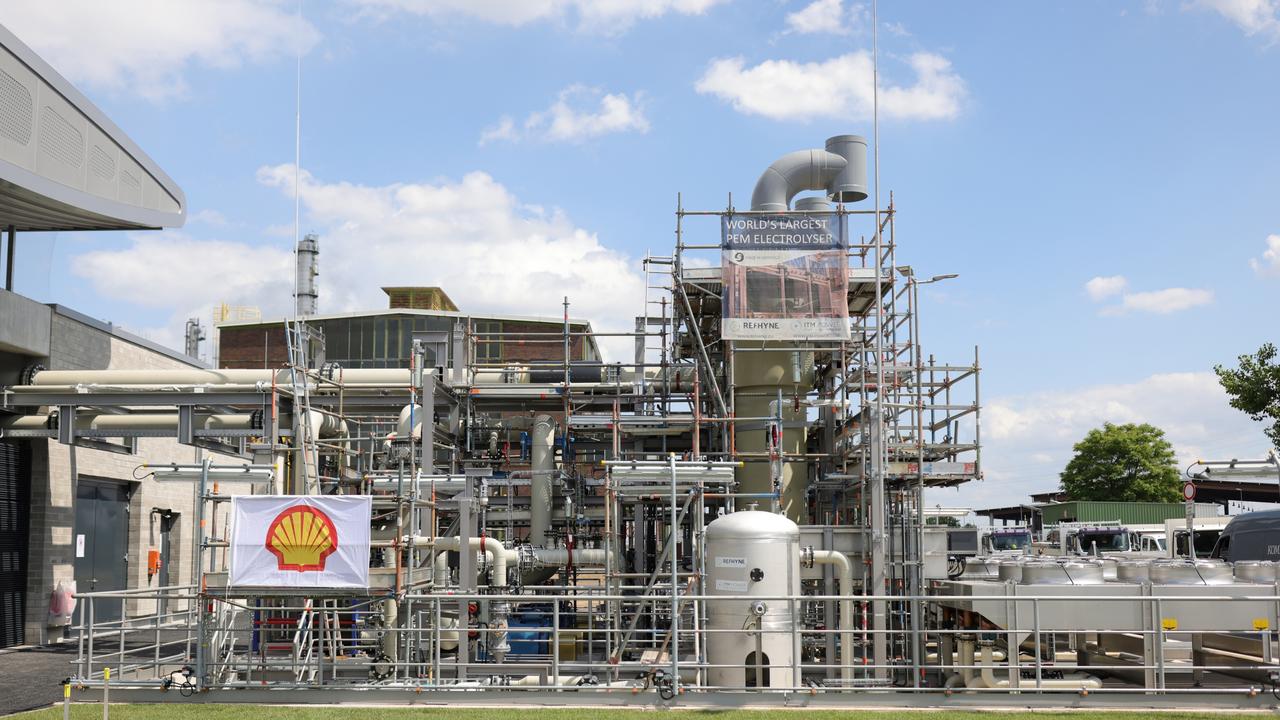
{"points": [[542, 439], [792, 173], [8, 262], [844, 575]]}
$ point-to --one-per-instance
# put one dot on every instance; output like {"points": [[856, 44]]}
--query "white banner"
{"points": [[319, 541]]}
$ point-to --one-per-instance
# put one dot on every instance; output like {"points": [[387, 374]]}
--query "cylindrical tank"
{"points": [[757, 378], [1190, 572], [542, 439], [752, 555], [1255, 571]]}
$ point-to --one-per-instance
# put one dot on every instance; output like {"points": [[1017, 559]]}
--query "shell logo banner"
{"points": [[318, 541]]}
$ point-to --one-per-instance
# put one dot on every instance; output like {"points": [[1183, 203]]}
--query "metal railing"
{"points": [[1179, 644]]}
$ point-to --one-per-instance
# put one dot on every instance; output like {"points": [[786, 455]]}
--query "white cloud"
{"points": [[896, 28], [608, 16], [1162, 302], [825, 16], [472, 237], [1254, 17], [145, 47], [173, 270], [1269, 263], [208, 216], [1159, 302], [1028, 438], [504, 129], [579, 113], [837, 88], [1101, 288]]}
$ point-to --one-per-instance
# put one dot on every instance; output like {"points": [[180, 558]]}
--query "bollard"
{"points": [[66, 700], [106, 686]]}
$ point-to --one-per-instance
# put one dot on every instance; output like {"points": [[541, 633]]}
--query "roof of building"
{"points": [[581, 325], [576, 322], [63, 164], [119, 332], [419, 298]]}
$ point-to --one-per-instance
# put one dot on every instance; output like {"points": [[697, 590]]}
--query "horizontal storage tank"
{"points": [[752, 555], [1133, 571], [1062, 572], [1256, 571]]}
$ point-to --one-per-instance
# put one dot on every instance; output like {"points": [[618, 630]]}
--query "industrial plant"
{"points": [[424, 504]]}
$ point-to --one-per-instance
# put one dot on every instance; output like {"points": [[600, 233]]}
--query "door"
{"points": [[166, 576], [101, 541], [15, 501]]}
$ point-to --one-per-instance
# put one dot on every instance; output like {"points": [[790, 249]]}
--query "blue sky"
{"points": [[508, 149]]}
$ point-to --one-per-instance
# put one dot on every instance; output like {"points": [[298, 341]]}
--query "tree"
{"points": [[1255, 388], [1128, 463], [945, 520]]}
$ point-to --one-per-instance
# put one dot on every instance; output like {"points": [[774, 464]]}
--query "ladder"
{"points": [[298, 337]]}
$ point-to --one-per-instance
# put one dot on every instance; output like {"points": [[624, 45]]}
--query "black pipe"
{"points": [[8, 262]]}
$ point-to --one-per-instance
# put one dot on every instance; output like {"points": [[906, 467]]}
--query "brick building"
{"points": [[384, 338], [98, 528], [74, 511]]}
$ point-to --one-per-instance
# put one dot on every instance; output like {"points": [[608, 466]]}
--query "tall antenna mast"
{"points": [[297, 161], [879, 456]]}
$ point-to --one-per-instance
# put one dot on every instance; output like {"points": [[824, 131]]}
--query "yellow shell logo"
{"points": [[301, 538]]}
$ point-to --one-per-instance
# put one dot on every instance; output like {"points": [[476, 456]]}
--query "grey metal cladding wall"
{"points": [[63, 164]]}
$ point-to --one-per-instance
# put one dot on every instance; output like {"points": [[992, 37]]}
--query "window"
{"points": [[1222, 550], [335, 341], [488, 347]]}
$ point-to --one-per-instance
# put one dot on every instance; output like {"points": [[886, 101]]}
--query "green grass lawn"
{"points": [[179, 711]]}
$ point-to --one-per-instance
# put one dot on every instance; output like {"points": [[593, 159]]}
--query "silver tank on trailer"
{"points": [[1190, 572], [1256, 571], [752, 555], [1062, 572]]}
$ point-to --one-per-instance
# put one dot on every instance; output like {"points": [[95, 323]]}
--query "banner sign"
{"points": [[785, 277], [300, 541]]}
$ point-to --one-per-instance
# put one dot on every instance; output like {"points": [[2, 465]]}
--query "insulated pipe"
{"points": [[560, 557], [495, 553], [1069, 681], [792, 173], [441, 578], [135, 421], [391, 618], [210, 377], [542, 438], [325, 425], [844, 575]]}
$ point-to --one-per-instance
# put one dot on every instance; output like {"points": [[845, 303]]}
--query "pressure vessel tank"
{"points": [[752, 560]]}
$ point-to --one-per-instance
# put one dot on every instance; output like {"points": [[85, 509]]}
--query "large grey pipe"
{"points": [[851, 184], [543, 456], [793, 173]]}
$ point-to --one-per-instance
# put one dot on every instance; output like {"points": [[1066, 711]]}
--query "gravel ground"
{"points": [[33, 677]]}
